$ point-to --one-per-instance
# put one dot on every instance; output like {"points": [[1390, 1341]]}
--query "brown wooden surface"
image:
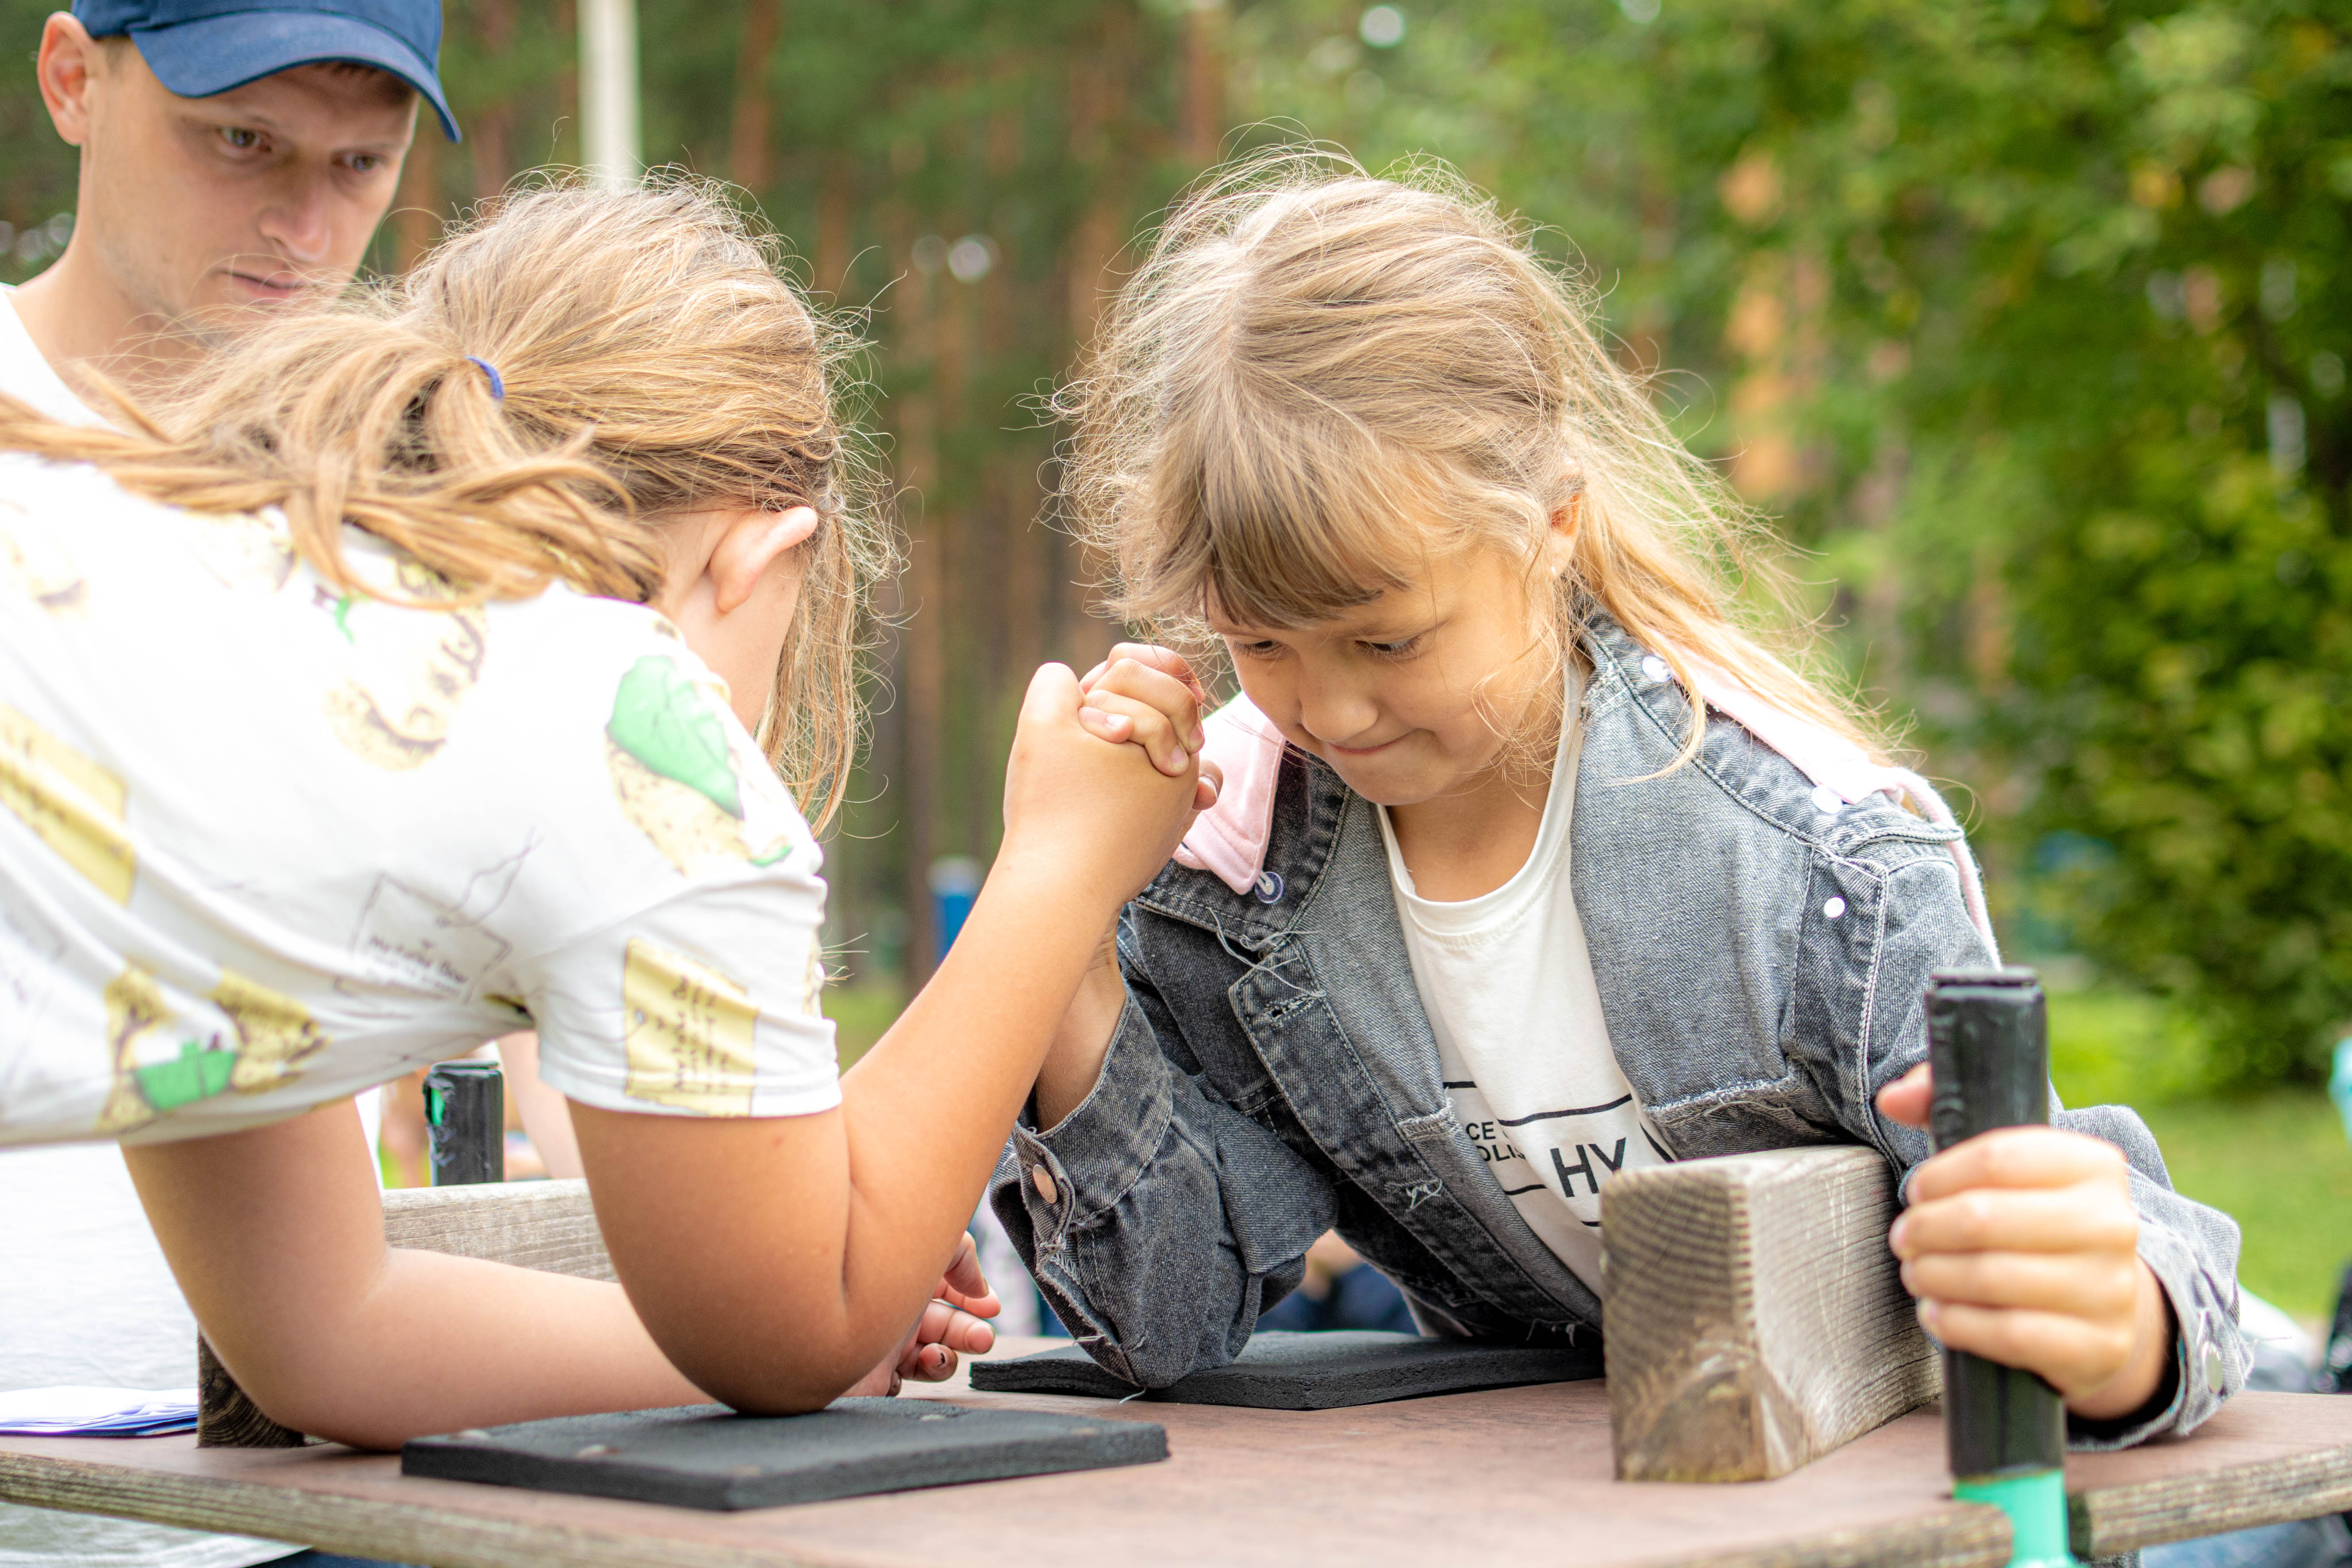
{"points": [[1755, 1320], [1524, 1473], [2232, 1473]]}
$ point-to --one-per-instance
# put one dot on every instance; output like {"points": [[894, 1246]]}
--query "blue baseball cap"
{"points": [[199, 47]]}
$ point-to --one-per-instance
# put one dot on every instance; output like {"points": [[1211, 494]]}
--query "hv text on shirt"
{"points": [[1506, 981]]}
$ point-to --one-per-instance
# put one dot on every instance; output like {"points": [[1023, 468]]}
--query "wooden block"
{"points": [[706, 1457], [1279, 1370], [547, 1225], [1753, 1316], [226, 1419]]}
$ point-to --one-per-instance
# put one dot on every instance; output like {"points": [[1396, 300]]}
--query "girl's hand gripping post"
{"points": [[2020, 1245]]}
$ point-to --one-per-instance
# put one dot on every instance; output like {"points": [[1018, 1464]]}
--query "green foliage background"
{"points": [[2026, 319]]}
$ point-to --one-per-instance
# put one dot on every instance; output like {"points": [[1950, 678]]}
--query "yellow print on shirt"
{"points": [[37, 566], [404, 670], [163, 1060], [74, 806], [690, 1033], [275, 1034], [677, 776], [243, 550]]}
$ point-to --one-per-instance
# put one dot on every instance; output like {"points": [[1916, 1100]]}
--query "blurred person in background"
{"points": [[234, 162]]}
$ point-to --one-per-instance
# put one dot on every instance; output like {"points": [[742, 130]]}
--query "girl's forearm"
{"points": [[276, 1235], [449, 1343], [953, 1073]]}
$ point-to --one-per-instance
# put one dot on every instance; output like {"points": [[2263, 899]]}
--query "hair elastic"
{"points": [[497, 382]]}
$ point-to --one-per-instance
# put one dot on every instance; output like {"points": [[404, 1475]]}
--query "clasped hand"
{"points": [[2021, 1245], [952, 1321]]}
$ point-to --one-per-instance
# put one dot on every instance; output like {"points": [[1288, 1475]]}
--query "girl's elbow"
{"points": [[808, 1377]]}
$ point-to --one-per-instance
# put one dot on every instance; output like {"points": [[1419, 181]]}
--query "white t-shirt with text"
{"points": [[1506, 981]]}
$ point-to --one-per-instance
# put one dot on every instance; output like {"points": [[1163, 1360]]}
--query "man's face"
{"points": [[205, 209]]}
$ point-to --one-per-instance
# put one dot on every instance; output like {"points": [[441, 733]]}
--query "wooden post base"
{"points": [[1753, 1318], [226, 1419]]}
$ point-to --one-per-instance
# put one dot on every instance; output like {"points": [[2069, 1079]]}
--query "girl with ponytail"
{"points": [[473, 656]]}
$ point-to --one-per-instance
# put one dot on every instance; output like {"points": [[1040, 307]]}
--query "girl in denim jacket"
{"points": [[1532, 861]]}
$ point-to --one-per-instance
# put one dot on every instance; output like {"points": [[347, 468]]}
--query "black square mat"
{"points": [[705, 1455], [1279, 1370]]}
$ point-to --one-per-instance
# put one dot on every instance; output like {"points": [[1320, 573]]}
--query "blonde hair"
{"points": [[654, 360], [1309, 356]]}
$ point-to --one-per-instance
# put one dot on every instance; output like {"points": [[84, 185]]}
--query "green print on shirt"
{"points": [[662, 719], [199, 1072]]}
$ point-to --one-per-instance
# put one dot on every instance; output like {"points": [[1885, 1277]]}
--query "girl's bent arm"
{"points": [[777, 1259]]}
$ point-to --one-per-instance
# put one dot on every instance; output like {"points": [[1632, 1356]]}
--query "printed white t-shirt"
{"points": [[85, 1295], [1506, 981], [265, 844]]}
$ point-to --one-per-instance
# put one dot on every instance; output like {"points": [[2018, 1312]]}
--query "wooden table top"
{"points": [[1517, 1474]]}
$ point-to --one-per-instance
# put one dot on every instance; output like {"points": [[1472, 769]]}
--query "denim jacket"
{"points": [[1274, 1075]]}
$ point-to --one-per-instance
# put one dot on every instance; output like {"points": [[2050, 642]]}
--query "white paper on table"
{"points": [[81, 1412]]}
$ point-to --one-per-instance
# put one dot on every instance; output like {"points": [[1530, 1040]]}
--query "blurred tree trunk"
{"points": [[1099, 92], [417, 212], [567, 83], [748, 162], [1201, 131], [923, 601], [489, 128], [832, 225]]}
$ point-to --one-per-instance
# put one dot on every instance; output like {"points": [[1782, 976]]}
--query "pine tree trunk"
{"points": [[748, 162]]}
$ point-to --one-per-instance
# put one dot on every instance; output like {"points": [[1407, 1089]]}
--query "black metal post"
{"points": [[466, 1122], [2004, 1428]]}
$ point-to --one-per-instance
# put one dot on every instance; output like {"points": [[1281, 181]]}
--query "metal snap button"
{"points": [[1834, 907], [1827, 801], [1653, 668], [2214, 1367], [1268, 888], [1042, 1180]]}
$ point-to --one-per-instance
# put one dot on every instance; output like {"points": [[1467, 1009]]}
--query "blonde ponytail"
{"points": [[651, 359]]}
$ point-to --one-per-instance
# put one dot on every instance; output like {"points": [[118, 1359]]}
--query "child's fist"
{"points": [[951, 1321], [1150, 697], [2021, 1245]]}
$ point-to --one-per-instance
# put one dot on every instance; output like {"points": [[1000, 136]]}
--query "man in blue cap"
{"points": [[235, 158]]}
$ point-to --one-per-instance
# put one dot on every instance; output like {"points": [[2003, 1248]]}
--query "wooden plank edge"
{"points": [[1963, 1535], [2106, 1520], [406, 1531]]}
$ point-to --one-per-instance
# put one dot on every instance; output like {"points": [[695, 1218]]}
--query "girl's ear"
{"points": [[1559, 546], [754, 541]]}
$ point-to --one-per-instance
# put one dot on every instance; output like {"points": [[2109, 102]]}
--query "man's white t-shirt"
{"points": [[85, 1295], [27, 375], [1506, 981]]}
